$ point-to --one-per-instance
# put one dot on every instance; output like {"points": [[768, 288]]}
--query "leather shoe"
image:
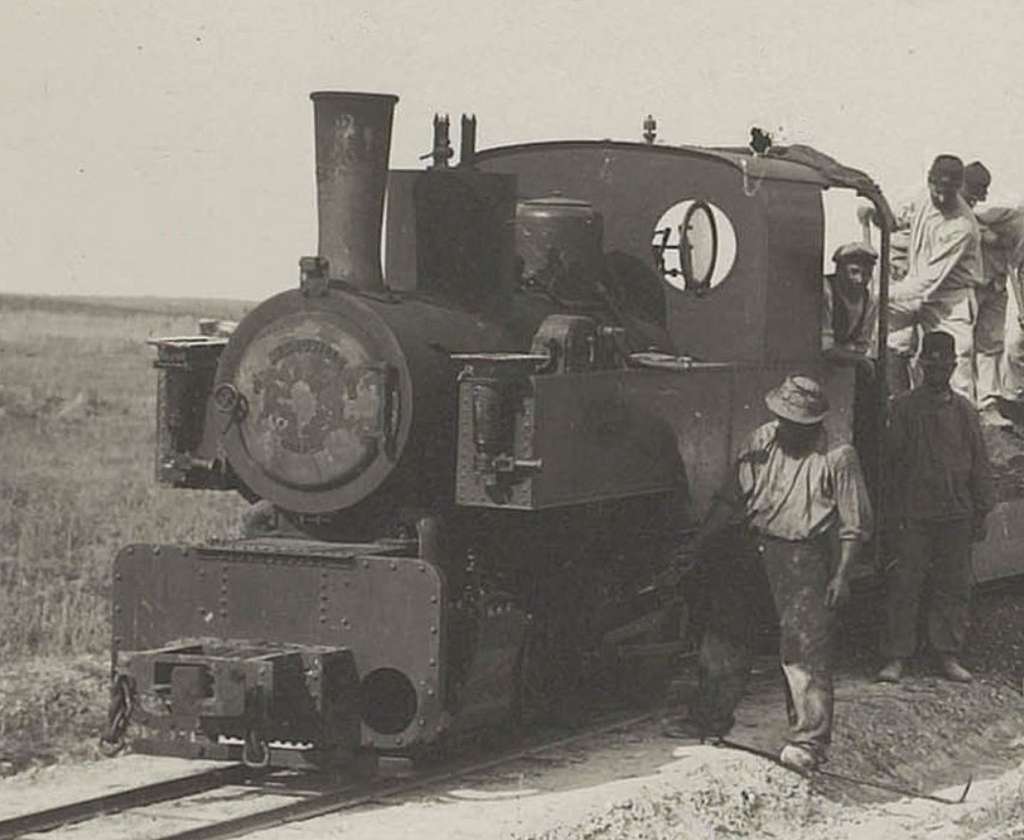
{"points": [[891, 673], [797, 757], [954, 671]]}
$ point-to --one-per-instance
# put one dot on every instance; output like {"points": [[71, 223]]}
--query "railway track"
{"points": [[307, 804]]}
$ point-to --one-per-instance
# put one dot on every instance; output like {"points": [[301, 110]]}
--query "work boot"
{"points": [[797, 757], [954, 671], [991, 416], [891, 673]]}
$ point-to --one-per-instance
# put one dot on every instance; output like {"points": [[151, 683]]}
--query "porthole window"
{"points": [[694, 245]]}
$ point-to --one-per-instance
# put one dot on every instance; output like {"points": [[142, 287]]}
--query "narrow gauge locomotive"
{"points": [[479, 460]]}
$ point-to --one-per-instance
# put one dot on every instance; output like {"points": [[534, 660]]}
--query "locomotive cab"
{"points": [[733, 241]]}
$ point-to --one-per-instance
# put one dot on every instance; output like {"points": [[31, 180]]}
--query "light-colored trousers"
{"points": [[952, 311], [989, 345], [1013, 358]]}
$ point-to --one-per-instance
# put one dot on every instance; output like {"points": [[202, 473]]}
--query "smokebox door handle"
{"points": [[388, 405]]}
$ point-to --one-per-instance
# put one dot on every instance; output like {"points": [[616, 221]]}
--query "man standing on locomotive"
{"points": [[850, 305], [944, 267], [1003, 253], [790, 494], [940, 493], [990, 324]]}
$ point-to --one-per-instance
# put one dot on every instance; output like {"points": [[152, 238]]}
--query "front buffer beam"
{"points": [[336, 646]]}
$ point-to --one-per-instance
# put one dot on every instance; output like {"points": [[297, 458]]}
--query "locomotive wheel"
{"points": [[547, 683]]}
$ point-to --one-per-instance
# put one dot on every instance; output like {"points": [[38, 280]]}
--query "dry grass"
{"points": [[77, 402]]}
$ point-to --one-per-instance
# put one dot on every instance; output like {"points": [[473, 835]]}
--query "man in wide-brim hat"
{"points": [[791, 494], [940, 494]]}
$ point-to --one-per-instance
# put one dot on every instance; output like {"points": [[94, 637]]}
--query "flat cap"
{"points": [[855, 252], [937, 348]]}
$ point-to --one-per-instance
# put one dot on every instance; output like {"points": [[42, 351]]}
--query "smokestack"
{"points": [[353, 141]]}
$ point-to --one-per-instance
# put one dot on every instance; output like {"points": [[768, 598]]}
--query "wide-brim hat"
{"points": [[799, 399]]}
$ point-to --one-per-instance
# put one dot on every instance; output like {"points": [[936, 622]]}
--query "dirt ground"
{"points": [[638, 784], [924, 735]]}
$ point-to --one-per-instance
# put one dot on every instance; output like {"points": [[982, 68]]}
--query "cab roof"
{"points": [[795, 163]]}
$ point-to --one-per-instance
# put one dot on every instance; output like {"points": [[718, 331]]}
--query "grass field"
{"points": [[77, 402]]}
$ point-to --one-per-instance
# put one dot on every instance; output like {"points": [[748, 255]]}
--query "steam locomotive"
{"points": [[476, 462]]}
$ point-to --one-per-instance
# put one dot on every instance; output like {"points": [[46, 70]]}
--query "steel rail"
{"points": [[136, 797], [347, 799]]}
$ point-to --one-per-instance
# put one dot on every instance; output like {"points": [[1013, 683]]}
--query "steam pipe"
{"points": [[442, 151], [353, 143]]}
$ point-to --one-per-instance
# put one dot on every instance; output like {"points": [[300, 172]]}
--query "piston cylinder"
{"points": [[353, 141]]}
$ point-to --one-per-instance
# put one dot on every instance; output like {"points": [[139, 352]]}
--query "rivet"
{"points": [[156, 549], [117, 608], [130, 550], [423, 722], [423, 567], [433, 630], [394, 565], [430, 692], [433, 599], [433, 661], [398, 740], [117, 576], [366, 564]]}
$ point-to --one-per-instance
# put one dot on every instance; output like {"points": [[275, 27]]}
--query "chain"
{"points": [[118, 717]]}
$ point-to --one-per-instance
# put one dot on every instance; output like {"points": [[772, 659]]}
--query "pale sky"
{"points": [[166, 147]]}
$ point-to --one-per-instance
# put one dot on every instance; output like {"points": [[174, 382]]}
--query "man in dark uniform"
{"points": [[791, 493], [940, 493]]}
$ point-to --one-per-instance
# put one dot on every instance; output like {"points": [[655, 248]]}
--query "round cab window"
{"points": [[694, 246]]}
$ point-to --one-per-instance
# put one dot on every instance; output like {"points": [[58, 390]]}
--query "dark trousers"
{"points": [[939, 550], [796, 574]]}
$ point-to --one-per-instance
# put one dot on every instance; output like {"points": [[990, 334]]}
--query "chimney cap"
{"points": [[351, 94]]}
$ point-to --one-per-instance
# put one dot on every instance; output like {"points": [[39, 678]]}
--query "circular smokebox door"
{"points": [[320, 396]]}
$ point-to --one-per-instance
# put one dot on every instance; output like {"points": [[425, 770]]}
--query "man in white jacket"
{"points": [[944, 267]]}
